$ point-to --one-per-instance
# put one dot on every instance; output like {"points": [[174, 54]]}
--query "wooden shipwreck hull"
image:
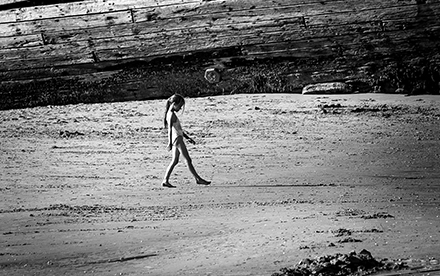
{"points": [[55, 52]]}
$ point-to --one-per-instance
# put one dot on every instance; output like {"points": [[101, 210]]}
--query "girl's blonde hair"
{"points": [[175, 99]]}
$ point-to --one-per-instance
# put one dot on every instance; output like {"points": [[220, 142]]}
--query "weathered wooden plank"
{"points": [[240, 32], [65, 23], [145, 30], [120, 42], [20, 41], [240, 18], [44, 51], [156, 44], [349, 45], [289, 8], [192, 25], [261, 27], [69, 36], [214, 18], [52, 61], [96, 20], [285, 29], [58, 55], [44, 56], [259, 45], [8, 2], [102, 6], [84, 71], [166, 6], [405, 13], [213, 12], [83, 7], [145, 46], [139, 48], [148, 30], [197, 10], [133, 47]]}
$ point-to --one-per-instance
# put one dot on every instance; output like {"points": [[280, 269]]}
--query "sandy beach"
{"points": [[293, 177]]}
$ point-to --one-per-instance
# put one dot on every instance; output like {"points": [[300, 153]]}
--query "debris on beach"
{"points": [[351, 264], [70, 134], [377, 215], [342, 232], [328, 88]]}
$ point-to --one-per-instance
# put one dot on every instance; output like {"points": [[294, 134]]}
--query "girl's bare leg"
{"points": [[170, 168], [180, 144]]}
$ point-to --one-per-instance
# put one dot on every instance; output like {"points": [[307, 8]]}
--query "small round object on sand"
{"points": [[212, 75]]}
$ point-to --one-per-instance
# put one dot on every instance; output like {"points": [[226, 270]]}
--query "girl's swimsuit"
{"points": [[176, 128]]}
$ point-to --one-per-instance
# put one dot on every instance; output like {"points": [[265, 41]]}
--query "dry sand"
{"points": [[293, 177]]}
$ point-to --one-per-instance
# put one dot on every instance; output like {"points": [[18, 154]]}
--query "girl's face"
{"points": [[178, 106]]}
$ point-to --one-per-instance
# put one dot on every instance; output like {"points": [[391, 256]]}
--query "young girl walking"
{"points": [[175, 140]]}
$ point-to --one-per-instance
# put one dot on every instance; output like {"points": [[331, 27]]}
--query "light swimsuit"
{"points": [[176, 128]]}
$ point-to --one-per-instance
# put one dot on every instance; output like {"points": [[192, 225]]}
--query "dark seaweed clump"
{"points": [[338, 264]]}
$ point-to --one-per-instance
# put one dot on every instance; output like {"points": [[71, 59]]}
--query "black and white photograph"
{"points": [[220, 137]]}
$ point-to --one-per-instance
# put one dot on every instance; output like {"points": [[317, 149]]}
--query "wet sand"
{"points": [[293, 177]]}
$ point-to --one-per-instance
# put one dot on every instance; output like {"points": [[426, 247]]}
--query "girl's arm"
{"points": [[170, 124], [170, 144], [188, 138]]}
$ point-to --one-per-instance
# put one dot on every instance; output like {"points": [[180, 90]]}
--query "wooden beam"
{"points": [[7, 2], [167, 16], [174, 42], [80, 8], [10, 42], [185, 8], [65, 23], [70, 29]]}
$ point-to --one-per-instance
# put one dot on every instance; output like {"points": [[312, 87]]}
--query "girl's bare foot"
{"points": [[168, 185], [202, 181]]}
